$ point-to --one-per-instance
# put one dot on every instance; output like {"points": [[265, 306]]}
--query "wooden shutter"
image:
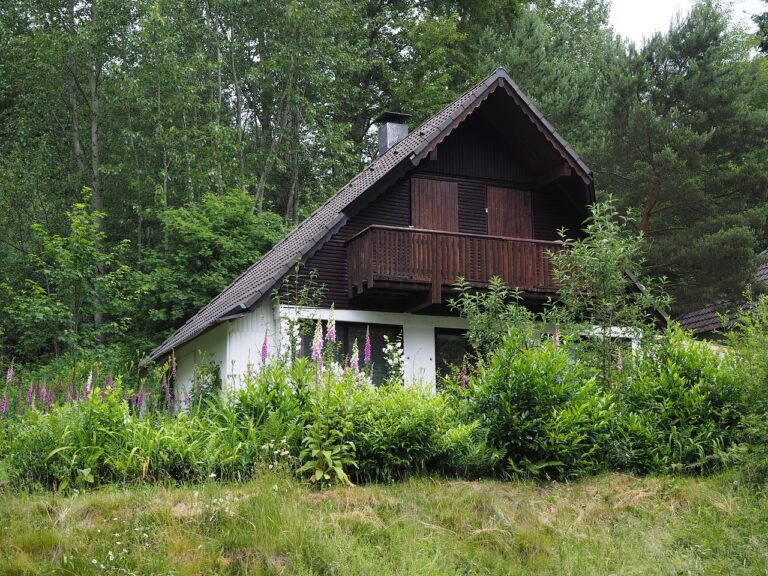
{"points": [[435, 204], [509, 213]]}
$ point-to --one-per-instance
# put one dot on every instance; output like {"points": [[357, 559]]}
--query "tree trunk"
{"points": [[97, 201]]}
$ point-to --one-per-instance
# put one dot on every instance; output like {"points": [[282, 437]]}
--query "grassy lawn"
{"points": [[613, 524]]}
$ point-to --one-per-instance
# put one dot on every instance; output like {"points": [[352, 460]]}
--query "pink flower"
{"points": [[167, 390], [50, 399], [330, 335], [354, 361], [4, 404], [30, 395], [264, 349], [141, 401], [87, 386], [367, 349], [132, 402], [464, 377], [9, 374], [109, 382], [317, 343], [186, 398], [43, 395], [69, 392]]}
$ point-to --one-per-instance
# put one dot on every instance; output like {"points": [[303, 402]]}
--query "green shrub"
{"points": [[679, 410], [394, 429], [74, 444], [542, 409]]}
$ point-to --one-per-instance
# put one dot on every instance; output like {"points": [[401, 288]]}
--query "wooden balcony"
{"points": [[407, 259]]}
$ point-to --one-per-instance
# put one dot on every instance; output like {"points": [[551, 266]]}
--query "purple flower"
{"points": [[167, 390], [317, 343], [43, 395], [464, 377], [109, 382], [367, 349], [50, 399], [354, 361], [330, 335], [4, 404], [30, 395], [186, 398], [173, 365], [9, 374], [87, 386], [68, 396], [141, 401], [264, 349]]}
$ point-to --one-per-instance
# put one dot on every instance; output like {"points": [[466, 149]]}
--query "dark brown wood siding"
{"points": [[473, 217], [474, 150], [509, 212], [435, 204], [392, 208], [549, 216]]}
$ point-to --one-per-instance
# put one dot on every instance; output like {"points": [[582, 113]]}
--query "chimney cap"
{"points": [[395, 117]]}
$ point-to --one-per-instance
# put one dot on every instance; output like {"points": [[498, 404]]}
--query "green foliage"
{"points": [[328, 453], [543, 409], [679, 410], [600, 287], [74, 279], [205, 246], [492, 314], [685, 146]]}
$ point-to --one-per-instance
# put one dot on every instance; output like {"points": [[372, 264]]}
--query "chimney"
{"points": [[392, 129]]}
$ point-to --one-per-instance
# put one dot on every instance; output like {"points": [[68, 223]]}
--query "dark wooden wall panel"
{"points": [[435, 204], [473, 218], [509, 212], [476, 149], [392, 208], [549, 216]]}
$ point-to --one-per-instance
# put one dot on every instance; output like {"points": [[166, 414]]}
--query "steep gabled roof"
{"points": [[260, 279]]}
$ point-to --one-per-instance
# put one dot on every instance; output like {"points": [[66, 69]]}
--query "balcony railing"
{"points": [[415, 259]]}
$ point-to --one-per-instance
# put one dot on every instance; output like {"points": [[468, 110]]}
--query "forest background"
{"points": [[151, 150]]}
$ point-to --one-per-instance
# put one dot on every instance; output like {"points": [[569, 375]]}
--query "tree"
{"points": [[74, 276], [762, 30], [602, 292], [685, 145]]}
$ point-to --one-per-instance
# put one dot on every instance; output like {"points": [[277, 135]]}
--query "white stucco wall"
{"points": [[233, 346], [209, 346], [245, 339], [236, 345]]}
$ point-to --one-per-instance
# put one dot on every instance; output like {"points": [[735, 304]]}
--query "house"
{"points": [[707, 322], [478, 190]]}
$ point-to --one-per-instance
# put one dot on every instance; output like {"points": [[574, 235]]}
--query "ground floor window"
{"points": [[349, 332], [450, 350]]}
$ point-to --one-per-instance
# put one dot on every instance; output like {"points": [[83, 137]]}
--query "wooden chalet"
{"points": [[478, 190]]}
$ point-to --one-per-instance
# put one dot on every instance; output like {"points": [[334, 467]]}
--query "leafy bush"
{"points": [[542, 409], [679, 411], [74, 444]]}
